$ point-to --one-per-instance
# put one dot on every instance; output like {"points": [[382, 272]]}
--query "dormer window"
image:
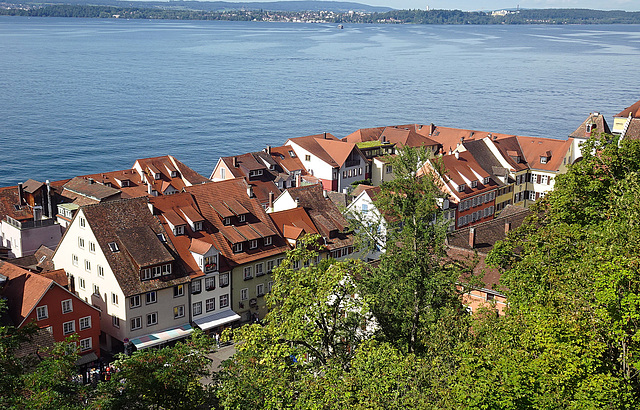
{"points": [[113, 247], [292, 154], [197, 226], [474, 184], [543, 160], [462, 187], [255, 173], [486, 180], [253, 244], [242, 218], [162, 238], [211, 263], [237, 247], [226, 221], [174, 174], [156, 175], [268, 241], [178, 230]]}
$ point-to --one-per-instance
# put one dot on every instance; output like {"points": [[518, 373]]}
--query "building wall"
{"points": [[369, 215], [315, 166], [56, 318], [481, 298], [480, 208], [164, 307], [243, 306], [216, 175], [618, 124], [357, 174], [379, 172], [24, 242]]}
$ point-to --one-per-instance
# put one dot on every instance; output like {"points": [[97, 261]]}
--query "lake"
{"points": [[80, 96]]}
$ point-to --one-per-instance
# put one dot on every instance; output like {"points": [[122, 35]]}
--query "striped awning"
{"points": [[168, 335], [217, 319]]}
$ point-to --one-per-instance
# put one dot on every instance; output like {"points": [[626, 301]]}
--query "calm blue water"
{"points": [[80, 96]]}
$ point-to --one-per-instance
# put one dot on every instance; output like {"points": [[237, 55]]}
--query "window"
{"points": [[151, 297], [42, 312], [81, 283], [270, 266], [292, 154], [462, 187], [268, 241], [74, 260], [197, 308], [307, 157], [96, 289], [136, 323], [226, 221], [113, 247], [100, 271], [197, 226], [196, 286], [211, 263], [135, 301], [222, 173], [81, 243], [67, 306], [486, 180], [210, 305], [210, 283], [69, 327], [114, 299], [178, 311], [269, 286], [83, 222], [545, 179], [242, 218], [543, 160], [85, 344], [244, 294], [389, 169], [115, 321], [253, 244], [178, 291], [224, 301], [92, 247], [295, 265], [87, 265], [260, 289], [259, 269], [224, 280], [237, 247], [247, 273], [474, 184], [152, 319], [85, 323], [178, 230], [166, 269], [532, 195], [344, 174]]}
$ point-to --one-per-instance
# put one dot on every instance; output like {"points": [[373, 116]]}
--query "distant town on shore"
{"points": [[310, 12]]}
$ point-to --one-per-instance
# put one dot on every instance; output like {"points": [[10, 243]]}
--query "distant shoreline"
{"points": [[430, 17]]}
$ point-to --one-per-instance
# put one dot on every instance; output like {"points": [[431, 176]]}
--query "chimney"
{"points": [[457, 154], [268, 149], [432, 128], [297, 202], [49, 204], [450, 151], [271, 195], [325, 135], [91, 181], [472, 238], [37, 213], [250, 191], [298, 179], [20, 194], [235, 162], [325, 194], [507, 227], [495, 137]]}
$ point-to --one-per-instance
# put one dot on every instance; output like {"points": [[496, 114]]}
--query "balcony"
{"points": [[29, 224], [352, 163]]}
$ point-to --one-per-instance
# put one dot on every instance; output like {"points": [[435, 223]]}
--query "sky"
{"points": [[472, 5]]}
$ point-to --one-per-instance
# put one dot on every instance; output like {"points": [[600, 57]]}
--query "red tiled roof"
{"points": [[634, 110], [292, 222], [596, 124], [283, 158], [8, 202], [533, 148], [23, 290]]}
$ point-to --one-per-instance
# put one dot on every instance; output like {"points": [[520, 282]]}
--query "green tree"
{"points": [[165, 378], [316, 322]]}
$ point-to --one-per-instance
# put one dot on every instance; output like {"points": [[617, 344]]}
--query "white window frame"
{"points": [[253, 244], [196, 286], [223, 280], [96, 289], [115, 321], [67, 306], [196, 308], [81, 283], [80, 242], [268, 240], [244, 294], [136, 323], [69, 327], [85, 323], [74, 260], [178, 291], [210, 304], [237, 247], [83, 222], [114, 299], [100, 271], [151, 297], [87, 265], [135, 301], [260, 289], [92, 247], [152, 319], [259, 269], [247, 273], [42, 312], [85, 344], [178, 311], [224, 301]]}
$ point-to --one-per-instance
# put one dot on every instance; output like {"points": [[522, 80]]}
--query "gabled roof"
{"points": [[165, 165], [485, 158], [284, 159], [293, 223], [23, 291], [326, 147], [87, 189], [534, 148], [130, 224], [401, 135], [213, 195], [595, 123], [510, 149], [324, 213], [463, 170], [634, 110], [133, 187], [451, 137], [31, 186]]}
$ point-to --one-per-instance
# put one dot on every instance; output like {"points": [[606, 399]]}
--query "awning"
{"points": [[86, 359], [162, 337], [217, 319]]}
